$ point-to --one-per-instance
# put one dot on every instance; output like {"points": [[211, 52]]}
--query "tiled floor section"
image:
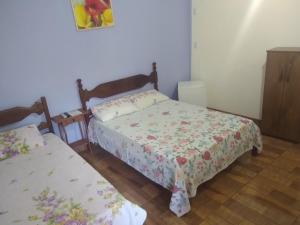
{"points": [[263, 190]]}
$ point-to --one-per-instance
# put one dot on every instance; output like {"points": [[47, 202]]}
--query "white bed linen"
{"points": [[177, 145], [53, 185]]}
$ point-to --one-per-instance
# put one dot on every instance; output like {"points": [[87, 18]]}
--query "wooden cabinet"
{"points": [[281, 103]]}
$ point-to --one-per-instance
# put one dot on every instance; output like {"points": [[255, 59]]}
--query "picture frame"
{"points": [[92, 14]]}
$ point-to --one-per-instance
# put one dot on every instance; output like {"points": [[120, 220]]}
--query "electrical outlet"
{"points": [[195, 44], [195, 11]]}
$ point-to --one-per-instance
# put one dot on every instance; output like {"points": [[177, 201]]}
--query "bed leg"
{"points": [[254, 151], [90, 147]]}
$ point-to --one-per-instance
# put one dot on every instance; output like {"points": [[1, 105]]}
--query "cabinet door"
{"points": [[273, 93], [290, 116]]}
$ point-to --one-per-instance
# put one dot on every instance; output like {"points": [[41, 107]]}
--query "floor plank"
{"points": [[262, 190]]}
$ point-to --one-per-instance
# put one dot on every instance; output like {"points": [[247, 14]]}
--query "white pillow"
{"points": [[113, 109], [147, 98], [20, 141]]}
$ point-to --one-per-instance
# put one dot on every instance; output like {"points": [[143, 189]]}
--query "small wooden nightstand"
{"points": [[64, 122]]}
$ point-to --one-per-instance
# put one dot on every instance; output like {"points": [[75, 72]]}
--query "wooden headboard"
{"points": [[117, 86], [17, 114]]}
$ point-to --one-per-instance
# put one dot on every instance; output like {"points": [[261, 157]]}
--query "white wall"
{"points": [[230, 39]]}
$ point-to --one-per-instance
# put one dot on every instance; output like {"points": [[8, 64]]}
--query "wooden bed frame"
{"points": [[120, 86], [17, 114], [115, 87]]}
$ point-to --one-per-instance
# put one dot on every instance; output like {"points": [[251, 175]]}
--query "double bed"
{"points": [[177, 145], [52, 184]]}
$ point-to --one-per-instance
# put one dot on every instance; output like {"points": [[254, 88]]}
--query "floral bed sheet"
{"points": [[177, 145], [53, 185]]}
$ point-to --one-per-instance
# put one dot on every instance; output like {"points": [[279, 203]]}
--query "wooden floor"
{"points": [[262, 190]]}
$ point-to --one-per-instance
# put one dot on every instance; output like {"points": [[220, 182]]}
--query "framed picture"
{"points": [[91, 14]]}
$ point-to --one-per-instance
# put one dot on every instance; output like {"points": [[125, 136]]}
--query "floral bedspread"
{"points": [[177, 145], [53, 185]]}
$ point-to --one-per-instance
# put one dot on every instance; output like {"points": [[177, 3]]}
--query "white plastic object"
{"points": [[193, 92]]}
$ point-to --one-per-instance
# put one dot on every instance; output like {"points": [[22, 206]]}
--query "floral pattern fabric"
{"points": [[145, 99], [127, 104], [177, 145], [53, 185], [19, 141], [114, 108]]}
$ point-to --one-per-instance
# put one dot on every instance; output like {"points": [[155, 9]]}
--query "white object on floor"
{"points": [[193, 92]]}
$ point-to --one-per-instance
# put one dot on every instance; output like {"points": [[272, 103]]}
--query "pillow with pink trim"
{"points": [[113, 109], [147, 98]]}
